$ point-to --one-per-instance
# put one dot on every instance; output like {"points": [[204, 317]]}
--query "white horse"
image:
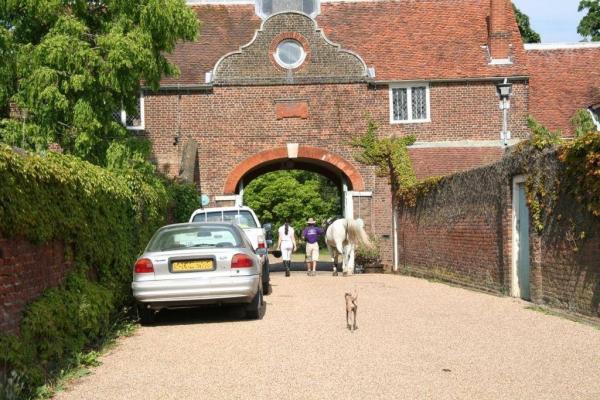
{"points": [[342, 236]]}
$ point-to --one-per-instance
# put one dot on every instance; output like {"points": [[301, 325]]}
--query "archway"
{"points": [[306, 157]]}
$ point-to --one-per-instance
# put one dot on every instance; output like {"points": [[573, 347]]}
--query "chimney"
{"points": [[500, 32]]}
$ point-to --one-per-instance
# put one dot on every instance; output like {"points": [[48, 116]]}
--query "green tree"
{"points": [[589, 26], [583, 123], [296, 195], [527, 33], [72, 63]]}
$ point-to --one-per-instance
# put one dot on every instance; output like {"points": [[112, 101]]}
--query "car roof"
{"points": [[196, 224], [230, 208]]}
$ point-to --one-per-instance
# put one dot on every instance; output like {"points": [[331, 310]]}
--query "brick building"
{"points": [[274, 84]]}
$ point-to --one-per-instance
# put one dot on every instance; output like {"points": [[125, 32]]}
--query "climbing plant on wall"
{"points": [[389, 155], [554, 167]]}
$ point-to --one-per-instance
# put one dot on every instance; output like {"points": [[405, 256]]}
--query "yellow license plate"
{"points": [[192, 265]]}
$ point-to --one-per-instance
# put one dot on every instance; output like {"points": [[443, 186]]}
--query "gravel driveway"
{"points": [[416, 339]]}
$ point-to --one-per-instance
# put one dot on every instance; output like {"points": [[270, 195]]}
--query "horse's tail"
{"points": [[357, 235]]}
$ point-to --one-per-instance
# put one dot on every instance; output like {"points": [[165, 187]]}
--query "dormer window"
{"points": [[266, 8]]}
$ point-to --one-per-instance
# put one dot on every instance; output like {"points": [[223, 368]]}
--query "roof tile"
{"points": [[403, 39]]}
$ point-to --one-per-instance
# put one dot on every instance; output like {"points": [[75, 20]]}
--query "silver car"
{"points": [[198, 263]]}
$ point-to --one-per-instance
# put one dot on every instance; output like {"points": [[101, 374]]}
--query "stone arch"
{"points": [[306, 154]]}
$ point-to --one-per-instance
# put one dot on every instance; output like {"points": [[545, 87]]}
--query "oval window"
{"points": [[289, 54]]}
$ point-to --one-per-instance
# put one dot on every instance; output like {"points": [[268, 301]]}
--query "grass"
{"points": [[79, 366], [565, 315]]}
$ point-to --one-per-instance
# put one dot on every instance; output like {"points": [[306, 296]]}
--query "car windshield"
{"points": [[201, 236], [242, 218]]}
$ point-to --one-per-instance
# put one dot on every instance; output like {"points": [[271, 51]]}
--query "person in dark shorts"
{"points": [[311, 234]]}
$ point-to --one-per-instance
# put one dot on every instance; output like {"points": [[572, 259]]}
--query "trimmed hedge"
{"points": [[105, 219]]}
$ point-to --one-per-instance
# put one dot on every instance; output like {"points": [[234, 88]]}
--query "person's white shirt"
{"points": [[287, 239]]}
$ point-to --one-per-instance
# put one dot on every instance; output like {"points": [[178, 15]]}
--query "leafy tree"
{"points": [[296, 195], [7, 70], [72, 63], [527, 33], [589, 26], [583, 123]]}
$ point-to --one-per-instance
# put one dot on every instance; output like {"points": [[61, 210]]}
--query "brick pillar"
{"points": [[499, 40]]}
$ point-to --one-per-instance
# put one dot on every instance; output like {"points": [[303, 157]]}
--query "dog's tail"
{"points": [[357, 234]]}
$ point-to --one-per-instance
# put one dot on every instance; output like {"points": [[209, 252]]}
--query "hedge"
{"points": [[105, 219]]}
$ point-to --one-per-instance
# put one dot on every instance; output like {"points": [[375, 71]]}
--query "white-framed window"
{"points": [[132, 121], [409, 103], [266, 8], [289, 54]]}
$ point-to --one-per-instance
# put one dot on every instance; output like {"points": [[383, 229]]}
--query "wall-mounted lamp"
{"points": [[504, 90]]}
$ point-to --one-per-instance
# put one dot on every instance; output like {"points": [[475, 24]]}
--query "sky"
{"points": [[555, 20]]}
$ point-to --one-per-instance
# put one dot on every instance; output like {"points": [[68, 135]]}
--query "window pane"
{"points": [[308, 6], [289, 52], [286, 5], [117, 116], [270, 7], [242, 218], [134, 119], [198, 237], [267, 7], [400, 104], [214, 217], [419, 103]]}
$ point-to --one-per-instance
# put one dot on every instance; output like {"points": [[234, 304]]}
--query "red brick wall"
{"points": [[26, 270], [232, 124], [569, 278], [462, 232], [432, 161], [456, 237]]}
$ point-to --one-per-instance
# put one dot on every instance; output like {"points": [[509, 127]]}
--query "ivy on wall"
{"points": [[554, 167], [389, 155], [104, 219]]}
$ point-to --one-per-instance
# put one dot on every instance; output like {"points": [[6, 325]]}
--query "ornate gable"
{"points": [[288, 37]]}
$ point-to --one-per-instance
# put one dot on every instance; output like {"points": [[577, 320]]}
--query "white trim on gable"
{"points": [[215, 70]]}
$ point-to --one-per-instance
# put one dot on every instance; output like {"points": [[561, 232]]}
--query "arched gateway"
{"points": [[294, 156]]}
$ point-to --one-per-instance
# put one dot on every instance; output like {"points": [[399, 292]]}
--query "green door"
{"points": [[523, 267]]}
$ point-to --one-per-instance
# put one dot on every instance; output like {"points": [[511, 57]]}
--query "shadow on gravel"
{"points": [[203, 315], [200, 315], [300, 266], [227, 313]]}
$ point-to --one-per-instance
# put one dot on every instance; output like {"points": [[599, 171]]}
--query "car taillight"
{"points": [[242, 261], [261, 242], [143, 266]]}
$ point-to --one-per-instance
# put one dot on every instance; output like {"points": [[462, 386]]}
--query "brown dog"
{"points": [[351, 308]]}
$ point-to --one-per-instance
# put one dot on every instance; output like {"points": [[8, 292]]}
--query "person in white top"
{"points": [[287, 244]]}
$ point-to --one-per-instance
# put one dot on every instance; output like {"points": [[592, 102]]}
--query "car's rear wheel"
{"points": [[255, 308], [266, 286], [146, 314]]}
